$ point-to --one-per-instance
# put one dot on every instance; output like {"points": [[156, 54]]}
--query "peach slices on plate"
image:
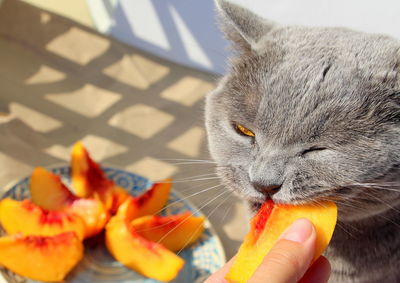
{"points": [[86, 223]]}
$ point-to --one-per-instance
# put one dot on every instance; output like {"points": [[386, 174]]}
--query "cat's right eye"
{"points": [[312, 149], [242, 130]]}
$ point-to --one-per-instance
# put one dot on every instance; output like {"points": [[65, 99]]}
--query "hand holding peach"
{"points": [[288, 261], [264, 246]]}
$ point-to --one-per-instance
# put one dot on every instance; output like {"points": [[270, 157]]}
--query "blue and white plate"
{"points": [[201, 259]]}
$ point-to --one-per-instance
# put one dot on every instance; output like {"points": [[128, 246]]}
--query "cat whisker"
{"points": [[389, 186], [161, 225], [209, 215], [192, 163], [189, 160], [363, 208], [197, 176], [182, 161], [166, 223], [185, 172], [390, 220], [187, 197], [190, 180], [383, 202], [344, 230], [200, 177], [228, 210], [191, 188], [346, 203], [186, 218]]}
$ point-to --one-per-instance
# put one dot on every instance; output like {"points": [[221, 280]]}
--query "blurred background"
{"points": [[185, 31], [128, 78]]}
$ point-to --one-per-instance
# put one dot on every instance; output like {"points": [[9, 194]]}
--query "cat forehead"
{"points": [[266, 44], [347, 47], [300, 83], [297, 55]]}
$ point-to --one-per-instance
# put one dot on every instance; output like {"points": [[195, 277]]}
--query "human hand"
{"points": [[289, 260]]}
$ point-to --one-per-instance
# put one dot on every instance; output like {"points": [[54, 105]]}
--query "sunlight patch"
{"points": [[141, 120], [136, 71], [44, 75], [78, 45], [36, 120], [152, 168], [187, 91], [189, 143], [89, 101]]}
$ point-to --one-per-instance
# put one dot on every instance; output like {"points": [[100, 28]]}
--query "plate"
{"points": [[201, 259]]}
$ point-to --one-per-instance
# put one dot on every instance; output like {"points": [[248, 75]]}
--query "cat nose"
{"points": [[267, 189]]}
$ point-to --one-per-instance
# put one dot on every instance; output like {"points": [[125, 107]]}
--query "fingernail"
{"points": [[299, 231]]}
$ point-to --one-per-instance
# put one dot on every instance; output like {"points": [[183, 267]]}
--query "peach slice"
{"points": [[48, 192], [87, 176], [150, 202], [41, 258], [145, 257], [29, 219], [119, 197], [93, 213], [175, 232], [89, 180], [267, 226]]}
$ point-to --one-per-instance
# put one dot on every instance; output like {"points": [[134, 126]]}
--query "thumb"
{"points": [[290, 257]]}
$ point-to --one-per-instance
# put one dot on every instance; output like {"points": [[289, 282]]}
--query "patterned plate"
{"points": [[202, 258]]}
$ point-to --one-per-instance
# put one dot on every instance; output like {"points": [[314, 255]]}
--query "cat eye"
{"points": [[312, 149], [242, 130]]}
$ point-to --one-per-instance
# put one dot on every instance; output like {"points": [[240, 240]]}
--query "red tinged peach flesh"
{"points": [[27, 218], [267, 226], [48, 192], [119, 197], [86, 175], [149, 203], [175, 232], [89, 180], [41, 258]]}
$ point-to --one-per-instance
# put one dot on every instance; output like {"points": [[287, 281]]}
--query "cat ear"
{"points": [[241, 25]]}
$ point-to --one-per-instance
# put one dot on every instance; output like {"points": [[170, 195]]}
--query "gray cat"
{"points": [[309, 114]]}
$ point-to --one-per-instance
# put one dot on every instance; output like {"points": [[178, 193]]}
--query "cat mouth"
{"points": [[255, 206]]}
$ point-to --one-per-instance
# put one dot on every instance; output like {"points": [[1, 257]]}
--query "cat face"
{"points": [[307, 114]]}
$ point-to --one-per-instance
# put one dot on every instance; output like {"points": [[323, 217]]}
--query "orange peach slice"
{"points": [[175, 232], [87, 176], [267, 226], [93, 213], [41, 258], [119, 197], [150, 202], [29, 219], [145, 257], [89, 180], [48, 192]]}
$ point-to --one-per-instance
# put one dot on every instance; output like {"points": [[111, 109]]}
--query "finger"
{"points": [[290, 257], [319, 272], [219, 276]]}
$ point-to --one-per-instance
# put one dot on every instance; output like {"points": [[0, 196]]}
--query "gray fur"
{"points": [[324, 104]]}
